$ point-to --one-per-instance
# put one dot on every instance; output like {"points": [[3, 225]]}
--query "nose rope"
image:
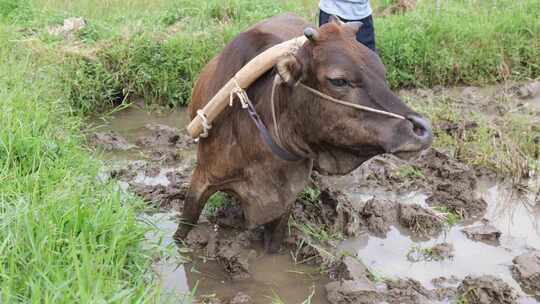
{"points": [[350, 104]]}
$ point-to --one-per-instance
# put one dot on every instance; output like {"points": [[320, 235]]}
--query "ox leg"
{"points": [[198, 194], [275, 232]]}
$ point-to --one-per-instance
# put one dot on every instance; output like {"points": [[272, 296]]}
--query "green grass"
{"points": [[451, 217], [155, 49], [217, 201], [506, 144], [65, 237]]}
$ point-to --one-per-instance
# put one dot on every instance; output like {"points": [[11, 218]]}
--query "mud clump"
{"points": [[164, 187], [353, 285], [486, 289], [407, 291], [529, 90], [438, 252], [357, 291], [379, 215], [484, 233], [446, 288], [233, 258], [167, 197], [454, 184], [391, 173], [349, 268], [241, 298], [165, 136], [199, 236], [331, 211], [442, 251], [458, 199], [419, 220], [110, 141], [526, 270]]}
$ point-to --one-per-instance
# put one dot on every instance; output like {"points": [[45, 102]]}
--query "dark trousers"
{"points": [[366, 34]]}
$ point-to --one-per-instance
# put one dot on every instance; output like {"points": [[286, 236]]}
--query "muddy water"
{"points": [[273, 276], [515, 214]]}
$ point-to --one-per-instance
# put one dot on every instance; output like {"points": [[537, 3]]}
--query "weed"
{"points": [[310, 194], [217, 201], [451, 217], [410, 172]]}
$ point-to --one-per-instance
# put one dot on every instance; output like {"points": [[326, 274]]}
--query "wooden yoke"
{"points": [[243, 78]]}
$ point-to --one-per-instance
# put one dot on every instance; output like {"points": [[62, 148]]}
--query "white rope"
{"points": [[206, 126], [350, 104], [275, 83], [240, 93]]}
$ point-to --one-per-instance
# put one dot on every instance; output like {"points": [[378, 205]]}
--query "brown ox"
{"points": [[334, 138]]}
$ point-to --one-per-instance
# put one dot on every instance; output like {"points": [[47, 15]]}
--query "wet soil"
{"points": [[375, 217]]}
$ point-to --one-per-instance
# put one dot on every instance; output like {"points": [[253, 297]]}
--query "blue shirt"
{"points": [[346, 9]]}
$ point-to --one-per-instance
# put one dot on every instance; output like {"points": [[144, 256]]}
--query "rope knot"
{"points": [[240, 93], [206, 125]]}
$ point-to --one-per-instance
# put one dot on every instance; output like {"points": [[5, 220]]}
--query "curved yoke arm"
{"points": [[243, 79]]}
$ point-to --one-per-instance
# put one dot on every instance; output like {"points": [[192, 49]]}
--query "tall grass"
{"points": [[155, 49], [463, 42], [65, 237]]}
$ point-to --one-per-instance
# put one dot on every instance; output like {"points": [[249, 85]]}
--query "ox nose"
{"points": [[422, 129]]}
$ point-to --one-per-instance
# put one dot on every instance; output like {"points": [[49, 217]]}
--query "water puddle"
{"points": [[515, 214]]}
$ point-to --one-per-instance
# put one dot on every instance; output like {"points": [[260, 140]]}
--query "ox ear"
{"points": [[289, 69]]}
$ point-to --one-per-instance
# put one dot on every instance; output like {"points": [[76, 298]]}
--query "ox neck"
{"points": [[278, 116]]}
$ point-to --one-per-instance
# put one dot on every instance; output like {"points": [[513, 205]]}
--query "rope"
{"points": [[206, 125], [240, 93], [350, 104], [276, 127]]}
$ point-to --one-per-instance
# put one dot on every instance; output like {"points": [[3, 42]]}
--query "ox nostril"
{"points": [[421, 128]]}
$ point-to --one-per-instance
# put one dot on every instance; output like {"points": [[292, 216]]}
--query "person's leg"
{"points": [[366, 33]]}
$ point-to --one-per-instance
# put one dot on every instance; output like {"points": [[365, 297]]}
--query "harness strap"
{"points": [[263, 131]]}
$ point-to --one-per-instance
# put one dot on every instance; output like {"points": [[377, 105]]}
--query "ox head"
{"points": [[340, 138]]}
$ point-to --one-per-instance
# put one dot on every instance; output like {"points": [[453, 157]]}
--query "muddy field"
{"points": [[433, 231]]}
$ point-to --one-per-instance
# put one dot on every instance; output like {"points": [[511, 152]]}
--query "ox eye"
{"points": [[338, 82]]}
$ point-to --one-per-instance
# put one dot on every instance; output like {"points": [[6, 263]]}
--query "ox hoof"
{"points": [[182, 232], [272, 244]]}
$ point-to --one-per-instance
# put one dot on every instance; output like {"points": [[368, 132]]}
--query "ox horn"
{"points": [[334, 18], [354, 26], [311, 34]]}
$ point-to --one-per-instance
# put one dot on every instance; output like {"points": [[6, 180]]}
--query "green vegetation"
{"points": [[506, 142], [470, 42], [310, 194], [410, 172], [451, 217], [417, 254], [217, 201], [155, 49], [65, 236]]}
